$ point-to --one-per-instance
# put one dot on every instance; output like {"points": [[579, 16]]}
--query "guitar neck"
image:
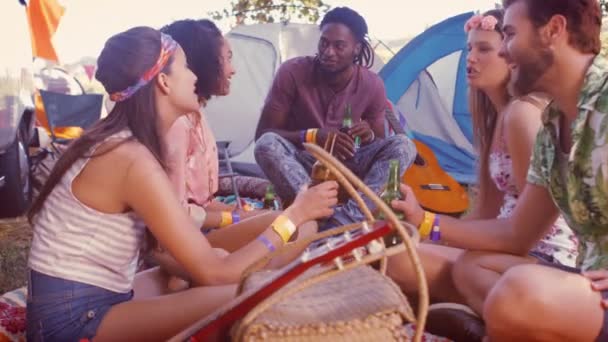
{"points": [[220, 321]]}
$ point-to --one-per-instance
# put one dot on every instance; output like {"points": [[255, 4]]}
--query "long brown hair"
{"points": [[484, 116], [123, 60]]}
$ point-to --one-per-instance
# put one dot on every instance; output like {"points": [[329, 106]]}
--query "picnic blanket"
{"points": [[12, 319], [12, 315]]}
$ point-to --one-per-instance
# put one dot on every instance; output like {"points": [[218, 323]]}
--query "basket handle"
{"points": [[339, 169], [346, 177], [259, 264]]}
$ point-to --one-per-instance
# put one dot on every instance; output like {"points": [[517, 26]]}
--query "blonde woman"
{"points": [[505, 128]]}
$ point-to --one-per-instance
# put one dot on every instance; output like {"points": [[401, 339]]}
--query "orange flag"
{"points": [[43, 17]]}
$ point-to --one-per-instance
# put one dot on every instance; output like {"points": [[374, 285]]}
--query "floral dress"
{"points": [[560, 245]]}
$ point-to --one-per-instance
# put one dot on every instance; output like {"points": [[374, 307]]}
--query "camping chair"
{"points": [[63, 110], [226, 169]]}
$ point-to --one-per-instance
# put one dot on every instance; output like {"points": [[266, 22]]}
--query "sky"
{"points": [[88, 23]]}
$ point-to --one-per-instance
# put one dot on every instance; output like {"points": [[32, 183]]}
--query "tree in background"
{"points": [[270, 11], [604, 33]]}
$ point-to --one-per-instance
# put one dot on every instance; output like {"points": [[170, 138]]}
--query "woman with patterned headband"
{"points": [[91, 216], [505, 127]]}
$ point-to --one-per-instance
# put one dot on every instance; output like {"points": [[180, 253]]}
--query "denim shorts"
{"points": [[66, 310]]}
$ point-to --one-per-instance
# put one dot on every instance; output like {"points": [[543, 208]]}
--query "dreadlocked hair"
{"points": [[357, 25]]}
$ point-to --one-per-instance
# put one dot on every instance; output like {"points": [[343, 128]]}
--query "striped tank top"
{"points": [[76, 242]]}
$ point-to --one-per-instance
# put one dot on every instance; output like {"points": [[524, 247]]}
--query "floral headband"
{"points": [[477, 21], [168, 47]]}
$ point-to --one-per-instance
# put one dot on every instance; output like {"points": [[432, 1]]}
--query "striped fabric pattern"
{"points": [[76, 242]]}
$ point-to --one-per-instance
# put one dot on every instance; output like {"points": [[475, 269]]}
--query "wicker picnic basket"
{"points": [[353, 302]]}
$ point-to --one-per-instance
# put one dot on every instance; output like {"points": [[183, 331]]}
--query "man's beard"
{"points": [[335, 72], [531, 70]]}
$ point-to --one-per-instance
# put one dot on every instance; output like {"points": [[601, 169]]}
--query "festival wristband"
{"points": [[303, 135], [311, 135], [264, 240], [226, 219], [283, 226], [426, 226], [436, 232], [236, 218]]}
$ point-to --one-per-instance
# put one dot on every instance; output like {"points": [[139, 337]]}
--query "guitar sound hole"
{"points": [[419, 160]]}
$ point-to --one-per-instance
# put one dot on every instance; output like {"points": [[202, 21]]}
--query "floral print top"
{"points": [[561, 243], [580, 187]]}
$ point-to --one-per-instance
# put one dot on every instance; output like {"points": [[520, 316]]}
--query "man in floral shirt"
{"points": [[553, 47], [578, 179]]}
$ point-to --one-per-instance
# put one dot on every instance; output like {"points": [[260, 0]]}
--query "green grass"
{"points": [[15, 240]]}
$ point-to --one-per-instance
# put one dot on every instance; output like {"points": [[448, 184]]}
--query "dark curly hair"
{"points": [[357, 25], [202, 43]]}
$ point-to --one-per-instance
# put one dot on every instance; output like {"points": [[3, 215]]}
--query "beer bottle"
{"points": [[320, 173], [347, 121], [270, 200], [390, 194]]}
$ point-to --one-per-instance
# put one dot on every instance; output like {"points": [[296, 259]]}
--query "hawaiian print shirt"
{"points": [[580, 189]]}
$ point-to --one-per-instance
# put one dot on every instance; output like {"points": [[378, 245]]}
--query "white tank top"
{"points": [[76, 242]]}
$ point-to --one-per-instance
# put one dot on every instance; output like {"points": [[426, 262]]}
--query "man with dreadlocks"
{"points": [[308, 100]]}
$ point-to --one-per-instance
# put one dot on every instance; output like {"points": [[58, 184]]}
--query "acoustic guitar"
{"points": [[337, 252], [435, 189]]}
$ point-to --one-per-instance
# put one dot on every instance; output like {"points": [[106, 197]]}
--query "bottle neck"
{"points": [[393, 178], [347, 123]]}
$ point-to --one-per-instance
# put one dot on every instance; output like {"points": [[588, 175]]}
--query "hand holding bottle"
{"points": [[409, 206], [344, 147], [364, 131], [313, 203]]}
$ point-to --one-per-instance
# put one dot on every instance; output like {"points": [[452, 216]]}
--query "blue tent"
{"points": [[426, 80]]}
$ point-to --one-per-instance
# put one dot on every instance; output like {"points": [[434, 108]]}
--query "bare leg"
{"points": [[235, 236], [159, 318], [540, 303], [437, 262], [475, 273]]}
